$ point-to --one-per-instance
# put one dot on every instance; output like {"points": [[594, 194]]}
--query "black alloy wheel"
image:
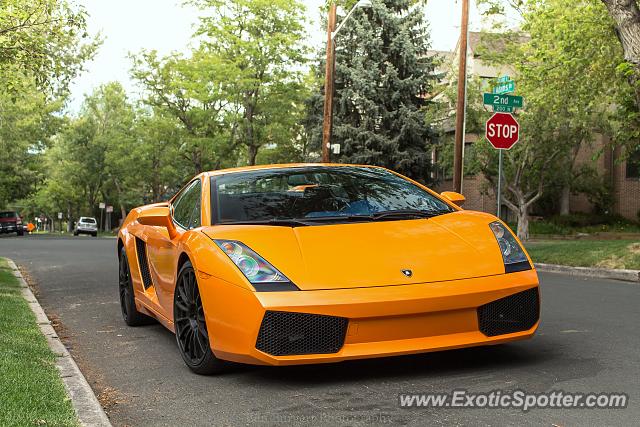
{"points": [[190, 325], [130, 313]]}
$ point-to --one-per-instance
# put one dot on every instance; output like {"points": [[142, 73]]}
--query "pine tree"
{"points": [[382, 74]]}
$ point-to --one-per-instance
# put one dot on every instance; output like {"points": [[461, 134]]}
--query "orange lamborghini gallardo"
{"points": [[315, 263]]}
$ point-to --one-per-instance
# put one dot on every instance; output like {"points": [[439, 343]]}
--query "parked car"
{"points": [[86, 225], [10, 222], [294, 264]]}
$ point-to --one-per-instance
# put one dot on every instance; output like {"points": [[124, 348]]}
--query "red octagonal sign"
{"points": [[502, 131]]}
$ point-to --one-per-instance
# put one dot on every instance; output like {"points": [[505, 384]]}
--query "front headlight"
{"points": [[262, 275], [512, 254]]}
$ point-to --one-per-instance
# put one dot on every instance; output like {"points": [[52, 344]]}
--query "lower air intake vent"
{"points": [[515, 313], [141, 249], [284, 333]]}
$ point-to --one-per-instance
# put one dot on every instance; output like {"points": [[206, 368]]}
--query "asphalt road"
{"points": [[588, 342]]}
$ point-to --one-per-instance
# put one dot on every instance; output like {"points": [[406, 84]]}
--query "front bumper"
{"points": [[381, 321]]}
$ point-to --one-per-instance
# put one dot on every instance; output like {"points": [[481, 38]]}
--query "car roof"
{"points": [[284, 166]]}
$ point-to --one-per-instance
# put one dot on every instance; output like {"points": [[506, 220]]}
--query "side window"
{"points": [[633, 165], [196, 213], [185, 208]]}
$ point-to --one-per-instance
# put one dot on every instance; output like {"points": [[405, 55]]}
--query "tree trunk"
{"points": [[523, 223], [197, 161], [252, 148], [123, 209], [626, 15], [69, 219], [252, 152], [520, 207], [565, 195]]}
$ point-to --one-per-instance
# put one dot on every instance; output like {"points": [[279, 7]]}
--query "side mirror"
{"points": [[454, 197], [158, 216]]}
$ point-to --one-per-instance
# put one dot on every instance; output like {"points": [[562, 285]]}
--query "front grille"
{"points": [[285, 333], [515, 313], [141, 249]]}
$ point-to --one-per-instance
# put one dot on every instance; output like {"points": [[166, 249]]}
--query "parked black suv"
{"points": [[10, 222]]}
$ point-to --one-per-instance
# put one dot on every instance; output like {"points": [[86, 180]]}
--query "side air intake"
{"points": [[141, 249], [514, 313], [284, 333]]}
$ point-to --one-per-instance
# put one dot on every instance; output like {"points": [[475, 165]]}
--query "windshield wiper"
{"points": [[274, 222], [378, 216], [383, 215], [334, 218], [408, 213]]}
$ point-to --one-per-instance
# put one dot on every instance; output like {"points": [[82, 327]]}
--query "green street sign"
{"points": [[502, 100], [503, 79], [505, 87], [503, 109]]}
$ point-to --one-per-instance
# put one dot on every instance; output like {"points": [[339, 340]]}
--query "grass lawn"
{"points": [[587, 253], [31, 391], [567, 225]]}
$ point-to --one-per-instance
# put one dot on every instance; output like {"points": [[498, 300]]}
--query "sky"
{"points": [[128, 26]]}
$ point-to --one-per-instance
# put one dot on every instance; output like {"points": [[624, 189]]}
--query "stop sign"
{"points": [[502, 131]]}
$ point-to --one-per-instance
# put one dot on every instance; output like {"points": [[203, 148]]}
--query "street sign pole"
{"points": [[499, 182], [503, 132], [109, 211], [102, 206], [502, 129]]}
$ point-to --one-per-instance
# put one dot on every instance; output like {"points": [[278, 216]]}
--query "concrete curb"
{"points": [[602, 273], [84, 401]]}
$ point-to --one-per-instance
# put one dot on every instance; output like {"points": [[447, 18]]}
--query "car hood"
{"points": [[454, 246]]}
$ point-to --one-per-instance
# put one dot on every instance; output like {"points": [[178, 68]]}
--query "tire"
{"points": [[130, 314], [190, 326], [75, 233], [94, 234], [20, 233]]}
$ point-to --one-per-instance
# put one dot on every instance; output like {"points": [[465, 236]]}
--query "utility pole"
{"points": [[461, 106], [328, 84]]}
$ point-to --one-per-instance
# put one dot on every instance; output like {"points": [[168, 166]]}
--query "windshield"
{"points": [[8, 214], [87, 220], [314, 193]]}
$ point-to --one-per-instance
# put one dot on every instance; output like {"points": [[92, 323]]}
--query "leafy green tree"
{"points": [[112, 118], [193, 91], [43, 44], [626, 16], [27, 120], [161, 169], [382, 74], [97, 152], [565, 68], [45, 39], [280, 125], [240, 88], [261, 41], [112, 152], [571, 71]]}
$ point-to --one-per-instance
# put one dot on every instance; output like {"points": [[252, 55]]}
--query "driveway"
{"points": [[588, 342]]}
